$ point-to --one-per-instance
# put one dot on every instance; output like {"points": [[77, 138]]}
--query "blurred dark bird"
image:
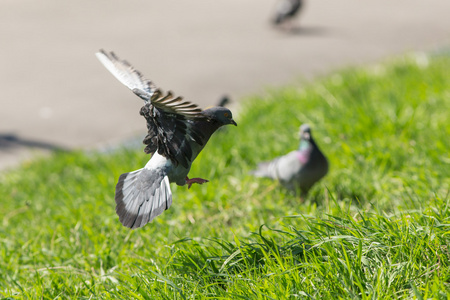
{"points": [[299, 169], [286, 10], [224, 101], [177, 132]]}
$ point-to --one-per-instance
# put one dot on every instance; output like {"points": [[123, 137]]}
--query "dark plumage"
{"points": [[224, 101], [177, 132]]}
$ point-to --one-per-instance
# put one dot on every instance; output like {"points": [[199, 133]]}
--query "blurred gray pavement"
{"points": [[55, 94]]}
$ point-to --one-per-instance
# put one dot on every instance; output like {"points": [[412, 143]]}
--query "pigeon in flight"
{"points": [[177, 132], [286, 10], [298, 169]]}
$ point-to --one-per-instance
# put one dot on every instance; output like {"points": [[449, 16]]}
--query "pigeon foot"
{"points": [[191, 181]]}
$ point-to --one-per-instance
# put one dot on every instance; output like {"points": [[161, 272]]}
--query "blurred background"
{"points": [[55, 94]]}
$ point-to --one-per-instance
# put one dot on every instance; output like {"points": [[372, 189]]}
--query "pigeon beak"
{"points": [[233, 122]]}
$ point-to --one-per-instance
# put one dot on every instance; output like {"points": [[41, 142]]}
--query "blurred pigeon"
{"points": [[299, 169], [224, 101], [177, 132], [286, 10]]}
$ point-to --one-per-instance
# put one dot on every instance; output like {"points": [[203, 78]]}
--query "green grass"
{"points": [[377, 226]]}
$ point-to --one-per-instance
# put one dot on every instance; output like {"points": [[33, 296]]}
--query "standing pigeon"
{"points": [[286, 10], [299, 169], [177, 132]]}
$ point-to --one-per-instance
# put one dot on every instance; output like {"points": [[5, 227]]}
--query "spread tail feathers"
{"points": [[141, 196]]}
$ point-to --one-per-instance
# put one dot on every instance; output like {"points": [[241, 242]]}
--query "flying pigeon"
{"points": [[286, 10], [177, 132], [298, 169]]}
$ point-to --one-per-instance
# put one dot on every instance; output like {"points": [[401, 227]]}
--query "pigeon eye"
{"points": [[226, 115]]}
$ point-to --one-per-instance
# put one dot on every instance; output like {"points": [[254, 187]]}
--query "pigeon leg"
{"points": [[191, 181]]}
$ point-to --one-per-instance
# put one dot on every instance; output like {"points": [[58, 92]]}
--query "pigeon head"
{"points": [[305, 132], [306, 139], [222, 115]]}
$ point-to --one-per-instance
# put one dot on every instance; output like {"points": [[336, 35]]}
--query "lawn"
{"points": [[377, 226]]}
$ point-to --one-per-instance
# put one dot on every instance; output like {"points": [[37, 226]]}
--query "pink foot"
{"points": [[191, 181]]}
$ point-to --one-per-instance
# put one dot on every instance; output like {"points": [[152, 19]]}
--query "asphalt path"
{"points": [[55, 94]]}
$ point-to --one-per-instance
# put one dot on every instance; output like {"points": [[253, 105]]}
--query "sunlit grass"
{"points": [[377, 226]]}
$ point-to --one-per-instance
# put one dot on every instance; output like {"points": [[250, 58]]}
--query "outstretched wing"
{"points": [[127, 74], [171, 130], [170, 119]]}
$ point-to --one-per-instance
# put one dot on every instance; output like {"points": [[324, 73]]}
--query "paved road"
{"points": [[55, 94]]}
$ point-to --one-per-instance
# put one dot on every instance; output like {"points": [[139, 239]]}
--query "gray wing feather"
{"points": [[127, 74]]}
